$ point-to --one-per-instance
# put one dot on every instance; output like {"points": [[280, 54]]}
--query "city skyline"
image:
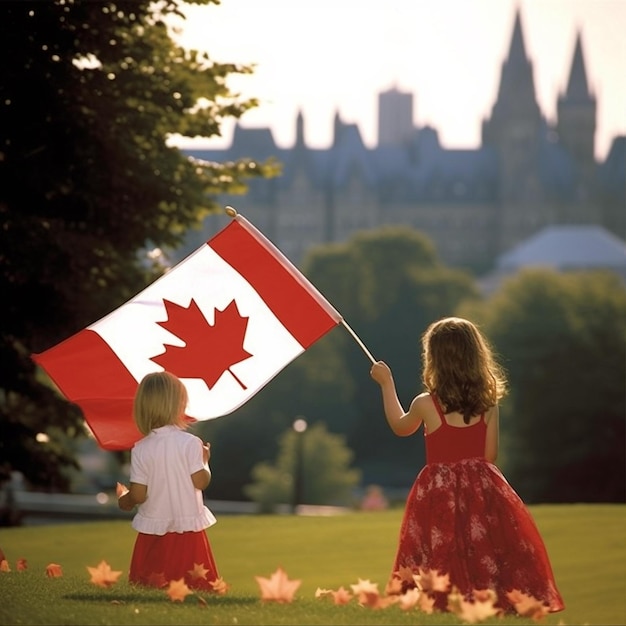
{"points": [[306, 62]]}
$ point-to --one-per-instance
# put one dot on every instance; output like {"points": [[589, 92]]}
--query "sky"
{"points": [[336, 56]]}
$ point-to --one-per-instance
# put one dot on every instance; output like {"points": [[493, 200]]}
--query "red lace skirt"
{"points": [[465, 520], [159, 559]]}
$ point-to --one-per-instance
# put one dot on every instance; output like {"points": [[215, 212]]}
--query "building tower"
{"points": [[576, 125], [395, 117], [514, 132]]}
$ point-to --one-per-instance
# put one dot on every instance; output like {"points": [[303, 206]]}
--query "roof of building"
{"points": [[567, 247]]}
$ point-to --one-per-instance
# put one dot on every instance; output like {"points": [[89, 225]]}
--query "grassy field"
{"points": [[587, 546]]}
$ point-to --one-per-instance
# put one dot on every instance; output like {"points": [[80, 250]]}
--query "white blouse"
{"points": [[164, 461]]}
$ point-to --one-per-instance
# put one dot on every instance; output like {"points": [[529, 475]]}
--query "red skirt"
{"points": [[159, 559], [465, 520]]}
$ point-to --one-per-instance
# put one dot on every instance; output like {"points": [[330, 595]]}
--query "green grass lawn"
{"points": [[586, 544]]}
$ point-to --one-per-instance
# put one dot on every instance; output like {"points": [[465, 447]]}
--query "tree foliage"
{"points": [[90, 96], [563, 341], [326, 476]]}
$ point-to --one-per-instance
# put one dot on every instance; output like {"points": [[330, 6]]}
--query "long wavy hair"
{"points": [[460, 368], [160, 400]]}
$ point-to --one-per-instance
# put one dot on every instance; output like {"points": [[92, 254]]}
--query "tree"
{"points": [[91, 93], [325, 471], [563, 341]]}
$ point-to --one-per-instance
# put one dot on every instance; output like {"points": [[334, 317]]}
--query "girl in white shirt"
{"points": [[168, 471]]}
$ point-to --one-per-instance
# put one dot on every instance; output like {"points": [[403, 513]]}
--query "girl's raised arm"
{"points": [[402, 423]]}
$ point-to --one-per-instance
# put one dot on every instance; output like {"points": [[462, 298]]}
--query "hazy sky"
{"points": [[334, 56]]}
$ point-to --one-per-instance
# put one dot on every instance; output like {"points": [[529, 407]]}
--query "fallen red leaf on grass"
{"points": [[432, 580], [373, 600], [341, 596], [278, 587], [4, 566], [481, 607], [178, 590], [426, 603], [198, 571], [103, 575], [409, 599], [54, 570], [394, 586], [21, 565], [527, 606], [220, 586], [405, 575], [364, 586]]}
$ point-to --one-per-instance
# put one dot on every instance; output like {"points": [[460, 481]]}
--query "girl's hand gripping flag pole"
{"points": [[225, 320]]}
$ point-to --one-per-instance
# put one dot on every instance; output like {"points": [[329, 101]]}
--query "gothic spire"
{"points": [[516, 91], [300, 130], [517, 51], [577, 86]]}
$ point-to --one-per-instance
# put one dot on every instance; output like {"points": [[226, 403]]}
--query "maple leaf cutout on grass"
{"points": [[278, 587], [178, 590], [210, 349], [198, 571], [394, 586], [367, 594], [409, 599], [481, 607], [103, 575], [220, 586], [54, 570], [527, 606], [404, 575], [341, 596], [364, 586], [432, 580]]}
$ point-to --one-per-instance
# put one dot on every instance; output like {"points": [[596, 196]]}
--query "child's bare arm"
{"points": [[403, 423], [202, 478], [493, 435]]}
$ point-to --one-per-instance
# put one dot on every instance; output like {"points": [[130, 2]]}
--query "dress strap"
{"points": [[439, 409]]}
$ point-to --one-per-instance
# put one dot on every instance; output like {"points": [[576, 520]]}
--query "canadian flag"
{"points": [[225, 320]]}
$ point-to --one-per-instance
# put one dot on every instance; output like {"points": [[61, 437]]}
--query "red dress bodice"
{"points": [[449, 444]]}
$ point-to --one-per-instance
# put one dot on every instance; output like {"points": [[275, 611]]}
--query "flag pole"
{"points": [[356, 338], [232, 212]]}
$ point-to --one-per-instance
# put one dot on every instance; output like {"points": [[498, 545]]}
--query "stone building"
{"points": [[474, 204]]}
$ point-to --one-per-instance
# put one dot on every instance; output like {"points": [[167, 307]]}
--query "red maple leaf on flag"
{"points": [[210, 349]]}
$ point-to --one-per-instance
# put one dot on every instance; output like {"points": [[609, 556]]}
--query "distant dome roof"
{"points": [[567, 247]]}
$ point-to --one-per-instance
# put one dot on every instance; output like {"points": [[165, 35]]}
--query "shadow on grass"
{"points": [[154, 599]]}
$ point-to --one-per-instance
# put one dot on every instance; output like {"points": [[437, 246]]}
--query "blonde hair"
{"points": [[160, 400], [460, 367]]}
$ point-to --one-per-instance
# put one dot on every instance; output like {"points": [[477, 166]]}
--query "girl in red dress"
{"points": [[169, 469], [462, 518]]}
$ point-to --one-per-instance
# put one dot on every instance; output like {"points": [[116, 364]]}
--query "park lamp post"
{"points": [[299, 426]]}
